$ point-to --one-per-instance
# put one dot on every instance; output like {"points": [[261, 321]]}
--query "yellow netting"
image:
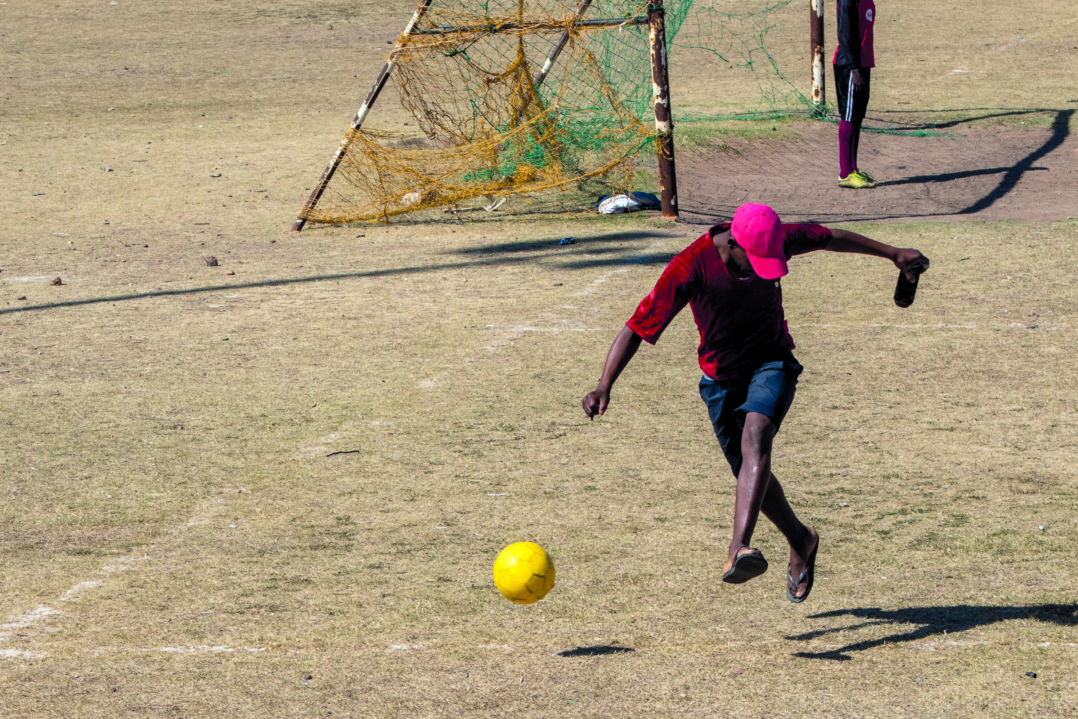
{"points": [[493, 122]]}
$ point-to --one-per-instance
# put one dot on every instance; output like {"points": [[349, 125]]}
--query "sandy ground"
{"points": [[956, 172]]}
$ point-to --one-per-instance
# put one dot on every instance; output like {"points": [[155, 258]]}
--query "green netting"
{"points": [[759, 48], [525, 96]]}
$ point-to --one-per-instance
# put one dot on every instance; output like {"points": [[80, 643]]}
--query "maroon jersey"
{"points": [[856, 20], [741, 321]]}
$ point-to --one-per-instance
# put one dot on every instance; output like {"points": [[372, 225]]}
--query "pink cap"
{"points": [[758, 230]]}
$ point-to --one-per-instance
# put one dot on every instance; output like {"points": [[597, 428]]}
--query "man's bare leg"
{"points": [[752, 480], [802, 539], [759, 490]]}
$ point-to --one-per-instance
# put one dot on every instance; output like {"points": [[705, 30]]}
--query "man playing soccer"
{"points": [[853, 63], [730, 278]]}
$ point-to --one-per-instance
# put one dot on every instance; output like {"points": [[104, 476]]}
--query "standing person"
{"points": [[729, 277], [853, 63]]}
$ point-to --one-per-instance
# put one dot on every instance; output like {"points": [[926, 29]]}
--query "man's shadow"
{"points": [[929, 621]]}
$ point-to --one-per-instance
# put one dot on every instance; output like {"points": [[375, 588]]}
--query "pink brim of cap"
{"points": [[768, 268]]}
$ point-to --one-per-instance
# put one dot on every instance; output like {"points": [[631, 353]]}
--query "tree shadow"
{"points": [[606, 249], [929, 621], [524, 246], [990, 113], [1009, 176]]}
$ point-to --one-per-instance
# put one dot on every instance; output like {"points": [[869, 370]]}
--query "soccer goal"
{"points": [[511, 97]]}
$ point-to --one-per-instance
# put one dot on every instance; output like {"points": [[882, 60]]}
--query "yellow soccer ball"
{"points": [[524, 573]]}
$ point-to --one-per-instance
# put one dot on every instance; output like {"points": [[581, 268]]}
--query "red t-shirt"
{"points": [[741, 321]]}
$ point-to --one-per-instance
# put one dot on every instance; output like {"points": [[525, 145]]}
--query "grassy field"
{"points": [[274, 486]]}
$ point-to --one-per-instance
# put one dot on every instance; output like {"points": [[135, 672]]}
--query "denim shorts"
{"points": [[769, 390]]}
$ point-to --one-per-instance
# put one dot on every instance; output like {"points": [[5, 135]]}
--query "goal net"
{"points": [[510, 98]]}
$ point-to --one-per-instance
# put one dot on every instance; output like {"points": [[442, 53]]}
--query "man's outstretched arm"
{"points": [[621, 351], [905, 259]]}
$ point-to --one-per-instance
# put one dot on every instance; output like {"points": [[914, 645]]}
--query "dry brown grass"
{"points": [[275, 487]]}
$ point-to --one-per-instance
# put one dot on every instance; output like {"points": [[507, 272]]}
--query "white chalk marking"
{"points": [[205, 649], [26, 620]]}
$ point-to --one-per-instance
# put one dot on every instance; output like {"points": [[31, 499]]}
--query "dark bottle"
{"points": [[905, 291]]}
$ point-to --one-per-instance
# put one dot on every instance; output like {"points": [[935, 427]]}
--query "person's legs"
{"points": [[858, 111], [767, 398], [753, 478], [847, 149], [852, 107], [803, 539], [746, 415], [758, 490], [723, 400], [853, 141], [843, 97]]}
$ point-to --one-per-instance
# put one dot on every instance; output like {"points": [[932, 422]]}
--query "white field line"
{"points": [[511, 334], [506, 337], [322, 443], [34, 278], [179, 650], [205, 649], [30, 623], [21, 622], [25, 624], [1038, 326], [592, 288], [509, 338]]}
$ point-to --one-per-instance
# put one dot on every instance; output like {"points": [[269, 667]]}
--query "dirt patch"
{"points": [[954, 172]]}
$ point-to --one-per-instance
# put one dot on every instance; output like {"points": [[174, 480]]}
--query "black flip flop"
{"points": [[809, 574], [746, 566]]}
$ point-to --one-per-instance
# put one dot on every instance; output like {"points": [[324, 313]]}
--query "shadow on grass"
{"points": [[930, 622], [599, 249], [595, 651], [990, 113], [1008, 175]]}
